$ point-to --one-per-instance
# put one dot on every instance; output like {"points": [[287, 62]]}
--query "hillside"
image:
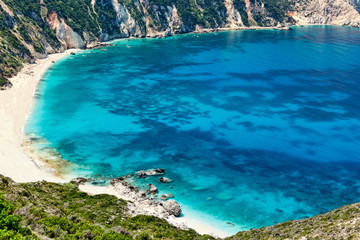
{"points": [[45, 210], [58, 211], [341, 223], [32, 29]]}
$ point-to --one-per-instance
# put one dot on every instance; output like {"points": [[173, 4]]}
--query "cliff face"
{"points": [[66, 36], [336, 12], [32, 29]]}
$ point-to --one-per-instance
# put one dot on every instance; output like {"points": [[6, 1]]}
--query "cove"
{"points": [[253, 127]]}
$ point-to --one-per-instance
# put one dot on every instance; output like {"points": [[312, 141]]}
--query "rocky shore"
{"points": [[144, 201]]}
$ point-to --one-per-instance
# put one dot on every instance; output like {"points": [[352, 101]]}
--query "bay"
{"points": [[254, 127]]}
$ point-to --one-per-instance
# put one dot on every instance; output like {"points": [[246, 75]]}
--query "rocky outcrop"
{"points": [[141, 174], [31, 32], [126, 23], [67, 37], [155, 172], [139, 203], [152, 188], [172, 207], [165, 180], [234, 17], [335, 12], [82, 180]]}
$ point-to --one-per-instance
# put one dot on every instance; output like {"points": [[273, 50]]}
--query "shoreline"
{"points": [[16, 104], [22, 165]]}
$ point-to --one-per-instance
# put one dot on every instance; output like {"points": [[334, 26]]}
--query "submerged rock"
{"points": [[166, 196], [172, 207], [165, 180]]}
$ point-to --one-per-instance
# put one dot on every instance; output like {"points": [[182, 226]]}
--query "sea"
{"points": [[254, 127]]}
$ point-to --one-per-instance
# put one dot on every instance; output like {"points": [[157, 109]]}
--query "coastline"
{"points": [[21, 165], [15, 105]]}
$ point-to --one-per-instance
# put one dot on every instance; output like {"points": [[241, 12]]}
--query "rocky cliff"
{"points": [[335, 12], [31, 29]]}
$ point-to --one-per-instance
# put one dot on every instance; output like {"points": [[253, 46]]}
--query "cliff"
{"points": [[335, 12], [32, 29]]}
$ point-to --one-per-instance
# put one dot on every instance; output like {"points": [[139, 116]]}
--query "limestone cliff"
{"points": [[66, 36], [335, 12], [32, 29]]}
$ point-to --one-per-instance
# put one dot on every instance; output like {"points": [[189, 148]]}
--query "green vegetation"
{"points": [[277, 9], [340, 223], [10, 227], [63, 212], [26, 23], [241, 7]]}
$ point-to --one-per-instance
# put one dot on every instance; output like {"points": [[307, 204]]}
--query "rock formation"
{"points": [[172, 207], [165, 180], [31, 30], [335, 12]]}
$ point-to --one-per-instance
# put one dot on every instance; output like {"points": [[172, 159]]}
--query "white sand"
{"points": [[15, 105]]}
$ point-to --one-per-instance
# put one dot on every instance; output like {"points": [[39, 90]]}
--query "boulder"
{"points": [[82, 180], [154, 172], [172, 207], [160, 170], [141, 174], [166, 196], [116, 180], [165, 180], [153, 189]]}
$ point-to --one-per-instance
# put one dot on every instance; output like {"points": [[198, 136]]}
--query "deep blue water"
{"points": [[254, 127]]}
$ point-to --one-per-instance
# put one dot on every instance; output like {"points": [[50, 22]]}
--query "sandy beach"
{"points": [[15, 105]]}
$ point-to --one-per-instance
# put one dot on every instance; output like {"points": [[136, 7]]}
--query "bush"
{"points": [[10, 227]]}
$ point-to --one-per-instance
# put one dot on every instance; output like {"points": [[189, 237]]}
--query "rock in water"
{"points": [[172, 207], [116, 180], [165, 180], [152, 188], [160, 170], [154, 172], [141, 174], [166, 196]]}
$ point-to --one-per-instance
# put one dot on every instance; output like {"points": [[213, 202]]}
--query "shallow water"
{"points": [[254, 127]]}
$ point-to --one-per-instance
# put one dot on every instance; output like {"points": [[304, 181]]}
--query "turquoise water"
{"points": [[254, 127]]}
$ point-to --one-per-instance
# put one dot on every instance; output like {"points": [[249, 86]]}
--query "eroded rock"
{"points": [[172, 207], [141, 174], [153, 189], [82, 180], [165, 180]]}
